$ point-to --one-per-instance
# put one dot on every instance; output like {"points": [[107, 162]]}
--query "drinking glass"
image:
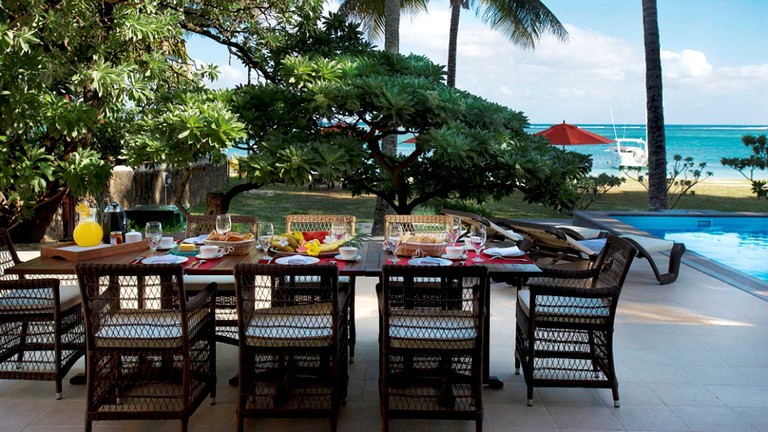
{"points": [[153, 231], [338, 230], [453, 230], [394, 236], [477, 238], [266, 232], [223, 224]]}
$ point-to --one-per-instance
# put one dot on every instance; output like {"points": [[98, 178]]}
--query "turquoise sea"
{"points": [[705, 143]]}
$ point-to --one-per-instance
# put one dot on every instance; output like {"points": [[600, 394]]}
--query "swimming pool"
{"points": [[738, 242], [730, 246]]}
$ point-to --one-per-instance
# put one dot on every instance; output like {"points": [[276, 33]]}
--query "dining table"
{"points": [[372, 257]]}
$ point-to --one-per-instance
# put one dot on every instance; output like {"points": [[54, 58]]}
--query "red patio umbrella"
{"points": [[411, 140], [567, 134]]}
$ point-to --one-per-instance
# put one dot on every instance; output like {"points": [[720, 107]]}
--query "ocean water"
{"points": [[705, 143]]}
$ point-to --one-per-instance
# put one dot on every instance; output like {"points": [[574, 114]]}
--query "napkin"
{"points": [[430, 261], [196, 240], [296, 259], [161, 259], [507, 251]]}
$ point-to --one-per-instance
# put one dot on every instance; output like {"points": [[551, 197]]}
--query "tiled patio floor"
{"points": [[692, 356]]}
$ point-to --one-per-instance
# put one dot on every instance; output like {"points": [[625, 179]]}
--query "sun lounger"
{"points": [[554, 244]]}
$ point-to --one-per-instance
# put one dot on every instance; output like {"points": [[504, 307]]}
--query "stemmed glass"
{"points": [[153, 231], [477, 238], [223, 224], [394, 236], [453, 230], [338, 230], [266, 232]]}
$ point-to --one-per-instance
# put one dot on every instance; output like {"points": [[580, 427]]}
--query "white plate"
{"points": [[196, 240], [463, 257], [357, 258], [306, 260], [496, 252], [161, 258], [217, 256], [429, 262]]}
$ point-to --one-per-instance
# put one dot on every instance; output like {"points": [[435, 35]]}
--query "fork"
{"points": [[198, 263]]}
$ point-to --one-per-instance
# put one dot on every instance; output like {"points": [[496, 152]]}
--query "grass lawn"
{"points": [[274, 202]]}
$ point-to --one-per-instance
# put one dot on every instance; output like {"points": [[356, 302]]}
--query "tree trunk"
{"points": [[33, 230], [657, 158], [219, 202], [389, 145], [453, 37]]}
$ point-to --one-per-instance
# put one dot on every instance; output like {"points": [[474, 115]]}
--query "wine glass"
{"points": [[153, 231], [223, 224], [453, 230], [338, 230], [394, 236], [477, 238], [266, 232]]}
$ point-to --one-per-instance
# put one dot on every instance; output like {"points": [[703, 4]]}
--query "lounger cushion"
{"points": [[435, 330], [560, 309], [650, 244]]}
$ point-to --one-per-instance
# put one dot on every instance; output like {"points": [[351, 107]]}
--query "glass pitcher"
{"points": [[88, 231]]}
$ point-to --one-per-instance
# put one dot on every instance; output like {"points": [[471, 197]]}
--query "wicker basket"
{"points": [[429, 249], [238, 247]]}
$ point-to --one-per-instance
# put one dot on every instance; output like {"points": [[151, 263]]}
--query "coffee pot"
{"points": [[113, 220]]}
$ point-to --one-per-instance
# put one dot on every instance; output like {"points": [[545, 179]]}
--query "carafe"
{"points": [[88, 231]]}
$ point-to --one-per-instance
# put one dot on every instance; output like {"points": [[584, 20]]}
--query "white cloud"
{"points": [[229, 76], [685, 64]]}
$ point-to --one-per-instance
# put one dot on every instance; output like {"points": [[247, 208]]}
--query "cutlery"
{"points": [[197, 264]]}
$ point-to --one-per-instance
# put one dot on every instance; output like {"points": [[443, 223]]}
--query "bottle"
{"points": [[88, 232], [112, 221]]}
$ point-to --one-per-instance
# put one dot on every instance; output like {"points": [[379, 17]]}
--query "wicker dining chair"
{"points": [[305, 223], [431, 332], [41, 330], [293, 342], [151, 352], [226, 314], [564, 331], [8, 255], [431, 225]]}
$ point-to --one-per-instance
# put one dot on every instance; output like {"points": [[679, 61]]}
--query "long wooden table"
{"points": [[373, 258]]}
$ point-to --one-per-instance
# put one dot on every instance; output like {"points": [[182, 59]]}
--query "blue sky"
{"points": [[714, 61]]}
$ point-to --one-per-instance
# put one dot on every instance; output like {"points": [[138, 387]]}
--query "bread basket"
{"points": [[429, 246], [243, 247]]}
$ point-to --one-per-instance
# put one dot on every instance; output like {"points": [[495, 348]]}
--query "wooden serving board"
{"points": [[72, 252]]}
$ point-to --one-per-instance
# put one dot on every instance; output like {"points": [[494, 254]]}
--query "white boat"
{"points": [[631, 152]]}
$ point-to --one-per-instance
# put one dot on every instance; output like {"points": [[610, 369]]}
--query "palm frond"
{"points": [[522, 21]]}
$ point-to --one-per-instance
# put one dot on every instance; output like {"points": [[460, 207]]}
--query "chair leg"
{"points": [[479, 425], [352, 327]]}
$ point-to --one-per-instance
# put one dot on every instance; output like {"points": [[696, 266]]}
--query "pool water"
{"points": [[737, 242]]}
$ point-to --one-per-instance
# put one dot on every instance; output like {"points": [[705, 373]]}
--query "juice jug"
{"points": [[88, 231]]}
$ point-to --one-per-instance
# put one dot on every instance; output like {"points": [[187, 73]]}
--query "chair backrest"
{"points": [[305, 222], [433, 296], [613, 262], [8, 255], [286, 302], [135, 292], [431, 225], [204, 224]]}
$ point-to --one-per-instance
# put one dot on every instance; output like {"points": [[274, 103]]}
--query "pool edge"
{"points": [[749, 284]]}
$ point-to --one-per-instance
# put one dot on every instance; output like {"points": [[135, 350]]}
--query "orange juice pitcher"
{"points": [[88, 231]]}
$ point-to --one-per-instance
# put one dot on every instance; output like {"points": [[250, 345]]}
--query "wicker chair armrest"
{"points": [[204, 299]]}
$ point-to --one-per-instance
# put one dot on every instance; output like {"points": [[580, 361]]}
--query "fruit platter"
{"points": [[309, 243]]}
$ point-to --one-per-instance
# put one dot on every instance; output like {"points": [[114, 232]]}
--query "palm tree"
{"points": [[521, 21], [657, 157]]}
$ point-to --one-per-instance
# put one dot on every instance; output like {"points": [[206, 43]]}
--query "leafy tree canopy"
{"points": [[757, 161], [466, 147], [86, 84]]}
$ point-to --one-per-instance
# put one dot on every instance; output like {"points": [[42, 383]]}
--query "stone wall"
{"points": [[131, 187]]}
